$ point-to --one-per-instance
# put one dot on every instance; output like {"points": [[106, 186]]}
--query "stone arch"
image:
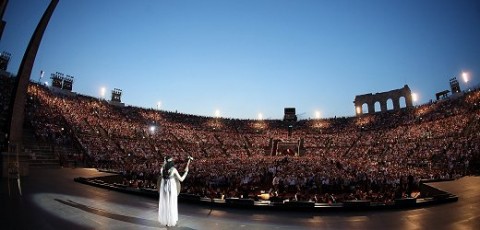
{"points": [[403, 102], [16, 113], [390, 104], [377, 106], [382, 98], [364, 107]]}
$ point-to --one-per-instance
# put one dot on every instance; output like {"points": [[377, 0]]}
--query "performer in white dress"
{"points": [[169, 189]]}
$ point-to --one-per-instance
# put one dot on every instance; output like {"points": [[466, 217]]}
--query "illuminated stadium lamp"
{"points": [[217, 113], [414, 97], [260, 116], [102, 92], [465, 77], [317, 114]]}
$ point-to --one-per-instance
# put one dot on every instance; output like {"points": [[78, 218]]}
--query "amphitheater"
{"points": [[410, 168], [72, 161]]}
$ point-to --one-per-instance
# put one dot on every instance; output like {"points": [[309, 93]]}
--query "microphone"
{"points": [[190, 158]]}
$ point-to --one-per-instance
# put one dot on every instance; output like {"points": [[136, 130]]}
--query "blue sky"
{"points": [[249, 57]]}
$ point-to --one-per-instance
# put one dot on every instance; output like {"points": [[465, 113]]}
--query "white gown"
{"points": [[168, 198]]}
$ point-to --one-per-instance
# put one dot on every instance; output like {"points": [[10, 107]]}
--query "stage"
{"points": [[52, 200]]}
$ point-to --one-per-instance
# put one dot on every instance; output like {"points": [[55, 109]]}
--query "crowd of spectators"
{"points": [[378, 157]]}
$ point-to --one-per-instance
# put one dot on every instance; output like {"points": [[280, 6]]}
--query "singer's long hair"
{"points": [[167, 167]]}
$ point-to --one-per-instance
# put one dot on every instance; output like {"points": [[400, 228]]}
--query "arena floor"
{"points": [[52, 200]]}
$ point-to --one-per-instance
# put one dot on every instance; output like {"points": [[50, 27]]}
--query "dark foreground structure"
{"points": [[427, 196], [52, 200]]}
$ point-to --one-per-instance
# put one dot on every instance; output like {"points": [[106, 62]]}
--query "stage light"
{"points": [[159, 104], [217, 113], [260, 116], [317, 114]]}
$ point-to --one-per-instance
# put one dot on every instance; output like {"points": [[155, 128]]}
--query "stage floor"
{"points": [[52, 200]]}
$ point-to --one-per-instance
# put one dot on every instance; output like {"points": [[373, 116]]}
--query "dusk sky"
{"points": [[245, 57]]}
